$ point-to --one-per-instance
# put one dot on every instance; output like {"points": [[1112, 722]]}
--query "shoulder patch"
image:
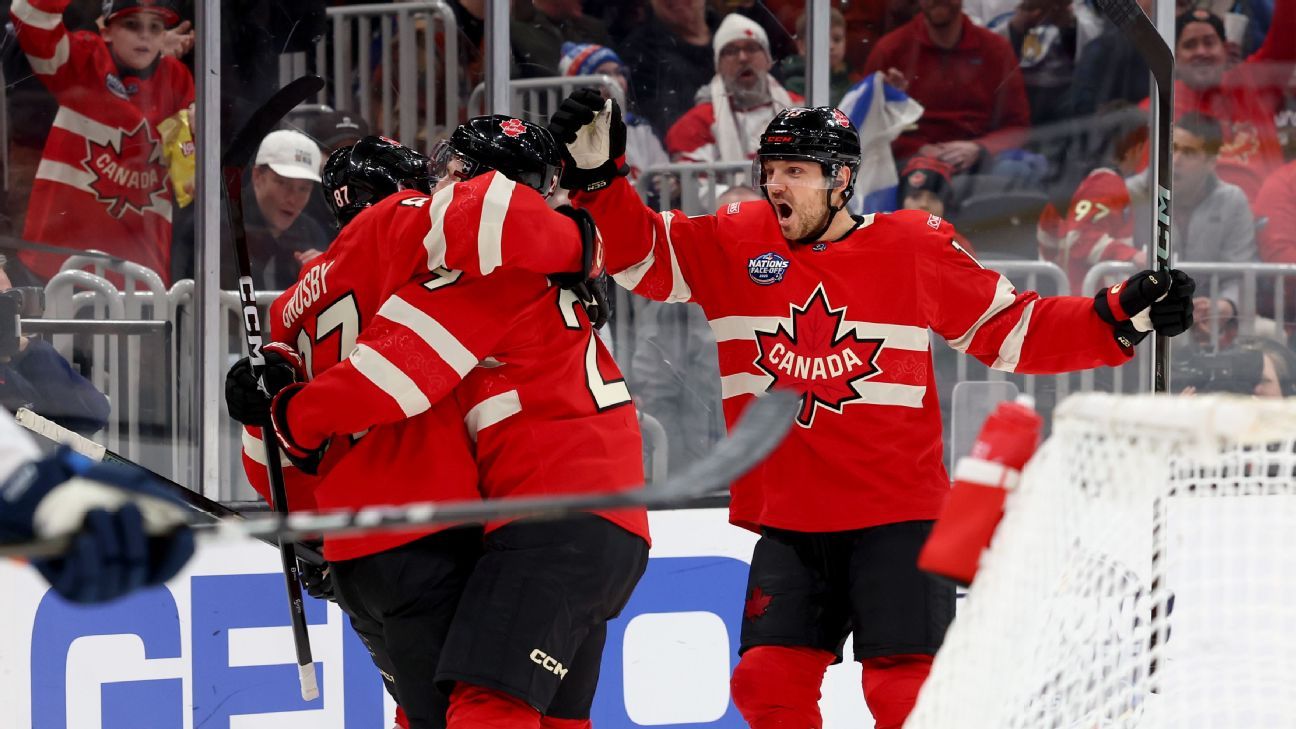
{"points": [[933, 222], [733, 208]]}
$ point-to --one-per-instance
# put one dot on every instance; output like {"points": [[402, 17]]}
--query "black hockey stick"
{"points": [[57, 434], [760, 431], [233, 163], [1129, 17], [1138, 28]]}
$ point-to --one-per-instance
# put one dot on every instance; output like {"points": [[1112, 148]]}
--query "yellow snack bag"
{"points": [[178, 152]]}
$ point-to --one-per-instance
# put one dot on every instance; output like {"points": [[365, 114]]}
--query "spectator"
{"points": [[1212, 220], [539, 31], [1043, 34], [1276, 375], [1243, 98], [881, 113], [793, 68], [331, 130], [1252, 365], [101, 182], [643, 148], [1109, 69], [670, 58], [1098, 226], [926, 184], [726, 124], [967, 80], [280, 239], [1276, 205], [34, 376]]}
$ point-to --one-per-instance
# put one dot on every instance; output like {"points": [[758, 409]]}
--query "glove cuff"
{"points": [[295, 450], [1108, 305]]}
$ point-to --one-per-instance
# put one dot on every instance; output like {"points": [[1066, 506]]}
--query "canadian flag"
{"points": [[982, 480]]}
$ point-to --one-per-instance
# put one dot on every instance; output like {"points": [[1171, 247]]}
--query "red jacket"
{"points": [[1277, 239], [102, 182], [973, 91]]}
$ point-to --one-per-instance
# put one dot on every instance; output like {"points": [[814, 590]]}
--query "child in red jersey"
{"points": [[102, 182]]}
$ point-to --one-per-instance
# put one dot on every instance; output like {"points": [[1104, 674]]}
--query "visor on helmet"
{"points": [[446, 161], [812, 172]]}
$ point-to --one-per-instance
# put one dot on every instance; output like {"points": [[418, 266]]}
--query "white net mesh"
{"points": [[1144, 575]]}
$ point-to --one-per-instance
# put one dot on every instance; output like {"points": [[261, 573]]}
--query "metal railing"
{"points": [[534, 99], [692, 187], [414, 46]]}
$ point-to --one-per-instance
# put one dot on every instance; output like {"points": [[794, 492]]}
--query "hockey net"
{"points": [[1144, 575]]}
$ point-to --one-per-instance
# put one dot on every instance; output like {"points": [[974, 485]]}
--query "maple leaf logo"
{"points": [[756, 605], [126, 170], [817, 357], [513, 127]]}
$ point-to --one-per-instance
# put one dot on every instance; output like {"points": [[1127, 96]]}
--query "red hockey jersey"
{"points": [[102, 181], [1099, 226], [454, 312], [846, 324]]}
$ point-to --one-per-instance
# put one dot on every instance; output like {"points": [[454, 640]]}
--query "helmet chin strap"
{"points": [[828, 219]]}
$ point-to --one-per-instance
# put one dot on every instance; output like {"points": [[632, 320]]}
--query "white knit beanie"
{"points": [[738, 27]]}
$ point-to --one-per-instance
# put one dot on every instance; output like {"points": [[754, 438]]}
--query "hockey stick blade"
{"points": [[265, 119], [47, 429], [759, 432]]}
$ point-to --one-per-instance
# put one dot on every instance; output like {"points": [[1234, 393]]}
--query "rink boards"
{"points": [[213, 650]]}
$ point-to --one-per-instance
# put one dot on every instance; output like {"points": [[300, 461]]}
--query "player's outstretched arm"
{"points": [[126, 531]]}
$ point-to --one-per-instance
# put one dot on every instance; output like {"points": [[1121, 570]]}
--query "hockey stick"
{"points": [[1129, 17], [1138, 28], [233, 162], [55, 433], [760, 431]]}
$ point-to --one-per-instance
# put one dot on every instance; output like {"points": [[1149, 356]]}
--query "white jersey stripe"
{"points": [[491, 411], [1010, 348], [390, 379], [65, 174], [255, 449], [887, 393], [1003, 298], [630, 277], [80, 124], [680, 291], [50, 66], [743, 383], [430, 330], [894, 336], [435, 241], [34, 17], [490, 233]]}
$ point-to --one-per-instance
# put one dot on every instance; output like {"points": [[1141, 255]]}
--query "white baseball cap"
{"points": [[290, 154]]}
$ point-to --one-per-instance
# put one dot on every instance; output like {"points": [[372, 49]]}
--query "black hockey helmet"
{"points": [[823, 134], [523, 152], [360, 175]]}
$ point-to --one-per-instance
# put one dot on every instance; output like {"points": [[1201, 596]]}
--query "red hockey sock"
{"points": [[549, 722], [402, 721], [474, 707], [778, 686], [891, 685]]}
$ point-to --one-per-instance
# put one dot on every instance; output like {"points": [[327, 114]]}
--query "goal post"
{"points": [[1143, 576]]}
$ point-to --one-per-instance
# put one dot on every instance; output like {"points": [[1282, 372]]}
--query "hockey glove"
{"points": [[126, 531], [1127, 305], [593, 136], [589, 285], [305, 457], [1172, 314], [243, 395], [317, 579]]}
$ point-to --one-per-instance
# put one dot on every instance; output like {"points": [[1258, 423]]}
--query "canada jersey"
{"points": [[846, 324], [102, 181]]}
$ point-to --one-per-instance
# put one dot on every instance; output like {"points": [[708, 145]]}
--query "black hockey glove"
{"points": [[1127, 305], [317, 579], [305, 457], [1172, 315], [593, 136], [243, 396], [589, 284]]}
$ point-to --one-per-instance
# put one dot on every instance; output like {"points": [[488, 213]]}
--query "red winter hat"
{"points": [[164, 8], [927, 173]]}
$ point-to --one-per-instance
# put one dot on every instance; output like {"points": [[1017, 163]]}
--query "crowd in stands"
{"points": [[1022, 121]]}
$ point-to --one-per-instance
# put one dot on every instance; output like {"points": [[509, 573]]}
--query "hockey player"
{"points": [[102, 178], [453, 310], [126, 532], [802, 295]]}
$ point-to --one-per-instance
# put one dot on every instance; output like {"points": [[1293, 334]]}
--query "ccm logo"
{"points": [[542, 659]]}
